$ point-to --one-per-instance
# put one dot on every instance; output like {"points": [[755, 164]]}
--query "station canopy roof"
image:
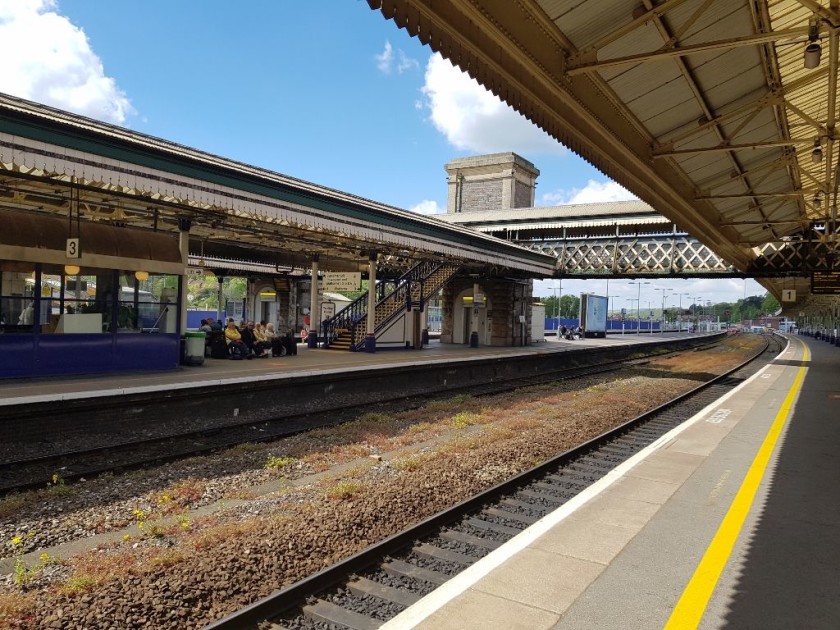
{"points": [[240, 218], [720, 114]]}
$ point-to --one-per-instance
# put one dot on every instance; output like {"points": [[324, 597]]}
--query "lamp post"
{"points": [[639, 305], [609, 308], [697, 305], [679, 321], [662, 327], [636, 300]]}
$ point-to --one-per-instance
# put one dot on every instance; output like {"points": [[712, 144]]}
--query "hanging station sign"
{"points": [[341, 281], [825, 282], [73, 248]]}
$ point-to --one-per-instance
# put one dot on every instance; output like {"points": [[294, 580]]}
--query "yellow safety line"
{"points": [[689, 609]]}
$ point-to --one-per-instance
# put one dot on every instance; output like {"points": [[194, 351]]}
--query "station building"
{"points": [[103, 227]]}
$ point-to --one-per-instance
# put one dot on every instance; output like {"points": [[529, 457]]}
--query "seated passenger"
{"points": [[205, 325], [246, 332], [234, 341], [277, 347], [261, 342]]}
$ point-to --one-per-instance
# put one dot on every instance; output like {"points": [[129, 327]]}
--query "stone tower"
{"points": [[498, 181]]}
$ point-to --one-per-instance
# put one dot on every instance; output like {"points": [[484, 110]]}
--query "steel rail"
{"points": [[293, 595]]}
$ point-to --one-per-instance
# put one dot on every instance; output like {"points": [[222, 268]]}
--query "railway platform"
{"points": [[730, 520], [307, 361]]}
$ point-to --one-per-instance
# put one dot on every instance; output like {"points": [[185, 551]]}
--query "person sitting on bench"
{"points": [[236, 347]]}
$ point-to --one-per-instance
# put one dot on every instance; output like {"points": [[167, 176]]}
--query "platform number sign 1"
{"points": [[73, 250]]}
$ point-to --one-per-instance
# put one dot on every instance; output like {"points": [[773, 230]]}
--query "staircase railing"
{"points": [[411, 290]]}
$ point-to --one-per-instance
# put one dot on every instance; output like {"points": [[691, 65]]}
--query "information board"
{"points": [[825, 282], [327, 310], [342, 281]]}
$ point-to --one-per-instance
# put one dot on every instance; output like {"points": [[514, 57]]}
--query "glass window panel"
{"points": [[17, 297]]}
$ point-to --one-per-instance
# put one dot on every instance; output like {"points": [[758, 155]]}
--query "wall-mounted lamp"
{"points": [[813, 50], [816, 154], [141, 275], [71, 270]]}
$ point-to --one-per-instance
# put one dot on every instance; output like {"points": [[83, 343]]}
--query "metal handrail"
{"points": [[353, 318]]}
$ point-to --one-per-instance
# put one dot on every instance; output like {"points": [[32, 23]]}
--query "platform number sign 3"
{"points": [[73, 250]]}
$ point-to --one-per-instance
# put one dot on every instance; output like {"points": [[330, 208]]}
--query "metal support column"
{"points": [[370, 336], [184, 247], [314, 323]]}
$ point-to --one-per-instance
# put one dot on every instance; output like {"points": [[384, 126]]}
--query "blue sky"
{"points": [[329, 92]]}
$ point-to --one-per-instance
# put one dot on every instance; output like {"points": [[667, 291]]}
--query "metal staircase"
{"points": [[347, 330]]}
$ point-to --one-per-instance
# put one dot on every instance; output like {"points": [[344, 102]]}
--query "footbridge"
{"points": [[616, 239]]}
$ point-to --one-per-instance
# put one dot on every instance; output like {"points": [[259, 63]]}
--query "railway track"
{"points": [[367, 589], [35, 472]]}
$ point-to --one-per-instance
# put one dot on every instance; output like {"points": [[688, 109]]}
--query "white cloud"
{"points": [[406, 63], [386, 64], [385, 58], [427, 206], [54, 63], [593, 192], [473, 119]]}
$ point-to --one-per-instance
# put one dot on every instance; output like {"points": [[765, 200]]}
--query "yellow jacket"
{"points": [[232, 334]]}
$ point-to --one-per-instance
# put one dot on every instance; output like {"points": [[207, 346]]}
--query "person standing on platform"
{"points": [[27, 316]]}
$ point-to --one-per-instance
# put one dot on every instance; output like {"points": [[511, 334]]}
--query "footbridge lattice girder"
{"points": [[682, 256], [633, 256]]}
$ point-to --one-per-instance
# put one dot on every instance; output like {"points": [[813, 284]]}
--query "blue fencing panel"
{"points": [[554, 323], [194, 317]]}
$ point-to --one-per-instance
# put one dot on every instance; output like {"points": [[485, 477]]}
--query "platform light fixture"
{"points": [[817, 201], [813, 50], [72, 270], [141, 275], [817, 154]]}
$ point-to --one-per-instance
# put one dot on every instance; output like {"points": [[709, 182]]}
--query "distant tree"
{"points": [[552, 304], [723, 310], [770, 305], [569, 306]]}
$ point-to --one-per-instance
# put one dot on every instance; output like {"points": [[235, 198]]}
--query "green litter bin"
{"points": [[194, 351]]}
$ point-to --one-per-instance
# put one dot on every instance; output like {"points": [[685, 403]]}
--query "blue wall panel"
{"points": [[146, 352], [18, 355], [43, 355]]}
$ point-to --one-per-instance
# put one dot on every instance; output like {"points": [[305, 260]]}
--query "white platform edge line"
{"points": [[442, 595]]}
